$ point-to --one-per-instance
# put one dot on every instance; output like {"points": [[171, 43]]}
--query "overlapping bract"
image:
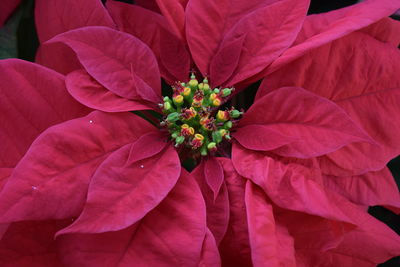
{"points": [[110, 186]]}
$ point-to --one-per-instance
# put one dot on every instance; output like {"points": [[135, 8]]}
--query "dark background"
{"points": [[18, 39]]}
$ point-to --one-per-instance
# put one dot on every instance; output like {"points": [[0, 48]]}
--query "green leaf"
{"points": [[8, 36]]}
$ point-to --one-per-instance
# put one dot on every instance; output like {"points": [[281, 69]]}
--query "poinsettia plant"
{"points": [[127, 142]]}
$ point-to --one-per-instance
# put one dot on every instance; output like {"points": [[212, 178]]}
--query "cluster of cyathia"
{"points": [[193, 117]]}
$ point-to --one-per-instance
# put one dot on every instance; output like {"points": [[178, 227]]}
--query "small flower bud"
{"points": [[226, 92], [216, 90], [179, 140], [216, 136], [228, 125], [236, 113], [186, 130], [197, 141], [212, 146], [173, 117], [216, 102], [186, 91], [167, 106], [178, 99], [222, 115]]}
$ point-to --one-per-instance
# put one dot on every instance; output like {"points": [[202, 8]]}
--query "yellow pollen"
{"points": [[199, 137], [178, 99], [222, 132], [216, 102], [221, 115], [186, 91], [213, 96]]}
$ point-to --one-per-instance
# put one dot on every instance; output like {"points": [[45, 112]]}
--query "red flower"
{"points": [[122, 179]]}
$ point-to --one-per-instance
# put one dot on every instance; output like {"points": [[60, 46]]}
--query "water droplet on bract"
{"points": [[90, 121], [34, 187], [142, 166]]}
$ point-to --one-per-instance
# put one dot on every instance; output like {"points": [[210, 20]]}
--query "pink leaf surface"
{"points": [[263, 231], [32, 100], [209, 253], [172, 234], [314, 125], [364, 65], [208, 21], [90, 93], [174, 55], [217, 206], [52, 178], [288, 185], [235, 247], [133, 187], [112, 57], [59, 16], [269, 32], [30, 243], [174, 12], [370, 189], [226, 60], [379, 123], [346, 21], [378, 242], [157, 35], [214, 175]]}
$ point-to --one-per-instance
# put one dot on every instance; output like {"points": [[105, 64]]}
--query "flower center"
{"points": [[193, 116]]}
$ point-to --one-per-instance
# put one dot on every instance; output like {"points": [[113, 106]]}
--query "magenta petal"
{"points": [[59, 16], [265, 238], [214, 175], [174, 12], [147, 146], [346, 21], [381, 125], [134, 20], [288, 185], [30, 243], [174, 55], [111, 57], [262, 137], [312, 125], [208, 21], [169, 235], [269, 32], [133, 188], [226, 60], [217, 206], [52, 178], [235, 247], [90, 93], [209, 252], [344, 76], [32, 98], [173, 233], [58, 57], [370, 189]]}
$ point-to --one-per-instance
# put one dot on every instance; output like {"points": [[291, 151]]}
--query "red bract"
{"points": [[109, 185], [6, 9]]}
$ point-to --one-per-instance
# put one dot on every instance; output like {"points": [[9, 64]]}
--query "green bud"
{"points": [[217, 137], [180, 139], [174, 135], [227, 137], [226, 92], [212, 146], [236, 113], [167, 99], [167, 106], [203, 151], [216, 90], [228, 125], [173, 117]]}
